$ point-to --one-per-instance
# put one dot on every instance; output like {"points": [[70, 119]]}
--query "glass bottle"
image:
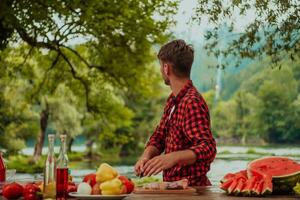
{"points": [[50, 170], [62, 170], [2, 169]]}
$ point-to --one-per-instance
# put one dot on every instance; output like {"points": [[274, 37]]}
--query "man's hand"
{"points": [[159, 163], [138, 168], [149, 153]]}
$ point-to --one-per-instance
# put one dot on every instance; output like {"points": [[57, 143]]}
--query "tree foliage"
{"points": [[117, 36], [272, 31], [81, 59], [265, 106]]}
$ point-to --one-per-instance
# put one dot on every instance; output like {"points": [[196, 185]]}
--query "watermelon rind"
{"points": [[284, 185]]}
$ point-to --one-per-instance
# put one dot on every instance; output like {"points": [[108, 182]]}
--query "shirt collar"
{"points": [[182, 92]]}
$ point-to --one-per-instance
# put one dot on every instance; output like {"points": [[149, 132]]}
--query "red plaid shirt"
{"points": [[186, 126]]}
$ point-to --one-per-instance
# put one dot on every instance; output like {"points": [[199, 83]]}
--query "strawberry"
{"points": [[32, 192], [12, 191]]}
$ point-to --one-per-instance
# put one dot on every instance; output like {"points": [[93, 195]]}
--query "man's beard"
{"points": [[166, 80]]}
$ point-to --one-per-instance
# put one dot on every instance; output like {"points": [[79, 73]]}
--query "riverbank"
{"points": [[24, 163]]}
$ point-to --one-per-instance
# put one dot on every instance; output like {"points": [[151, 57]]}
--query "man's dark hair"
{"points": [[180, 55]]}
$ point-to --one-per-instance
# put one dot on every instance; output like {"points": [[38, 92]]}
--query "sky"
{"points": [[185, 26], [193, 33]]}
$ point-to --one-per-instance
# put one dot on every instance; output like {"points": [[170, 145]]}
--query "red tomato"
{"points": [[90, 179], [32, 192], [71, 187], [96, 189], [12, 191], [128, 183]]}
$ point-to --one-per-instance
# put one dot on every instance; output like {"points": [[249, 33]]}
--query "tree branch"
{"points": [[55, 46], [80, 79], [46, 75], [27, 55], [33, 42], [98, 67]]}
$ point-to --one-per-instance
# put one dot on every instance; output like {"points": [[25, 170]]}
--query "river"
{"points": [[229, 159]]}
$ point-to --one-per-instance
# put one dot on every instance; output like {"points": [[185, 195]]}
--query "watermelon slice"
{"points": [[227, 177], [240, 186], [230, 181], [257, 190], [249, 185], [225, 185], [267, 186], [232, 186]]}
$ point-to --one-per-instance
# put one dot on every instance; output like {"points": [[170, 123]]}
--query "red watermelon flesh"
{"points": [[249, 186], [227, 177], [254, 190], [267, 186], [225, 185], [275, 166], [258, 188], [232, 187], [240, 186]]}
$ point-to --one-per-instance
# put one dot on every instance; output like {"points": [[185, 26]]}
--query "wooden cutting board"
{"points": [[188, 190]]}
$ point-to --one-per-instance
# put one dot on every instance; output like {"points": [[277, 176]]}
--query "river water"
{"points": [[229, 159]]}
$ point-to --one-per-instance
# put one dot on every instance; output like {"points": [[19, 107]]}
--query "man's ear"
{"points": [[166, 68]]}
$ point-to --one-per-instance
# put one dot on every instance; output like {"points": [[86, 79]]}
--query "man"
{"points": [[184, 132]]}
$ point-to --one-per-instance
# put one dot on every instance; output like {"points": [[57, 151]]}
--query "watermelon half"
{"points": [[285, 173], [268, 175]]}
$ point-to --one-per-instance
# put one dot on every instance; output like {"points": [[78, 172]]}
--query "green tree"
{"points": [[273, 32], [114, 54], [147, 115], [17, 119], [210, 99], [234, 118], [245, 115], [294, 134], [223, 119], [274, 112], [63, 115]]}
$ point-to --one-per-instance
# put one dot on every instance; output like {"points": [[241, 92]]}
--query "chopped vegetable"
{"points": [[297, 188], [139, 182]]}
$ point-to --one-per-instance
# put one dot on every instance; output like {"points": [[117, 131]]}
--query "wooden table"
{"points": [[203, 193]]}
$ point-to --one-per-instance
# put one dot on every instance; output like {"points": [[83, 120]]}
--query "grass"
{"points": [[225, 152], [77, 160], [25, 164], [249, 151]]}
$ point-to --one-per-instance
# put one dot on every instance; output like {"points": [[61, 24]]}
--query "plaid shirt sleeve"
{"points": [[196, 126]]}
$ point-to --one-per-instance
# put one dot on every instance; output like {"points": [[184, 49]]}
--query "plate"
{"points": [[104, 197]]}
